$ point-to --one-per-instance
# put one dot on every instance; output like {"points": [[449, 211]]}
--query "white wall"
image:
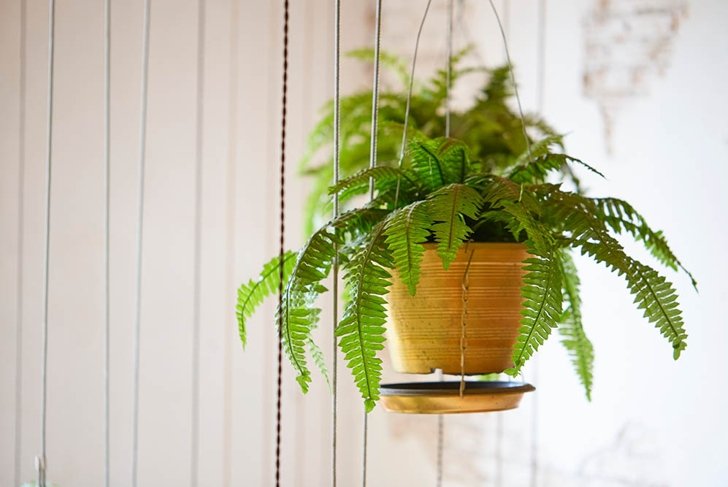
{"points": [[652, 421]]}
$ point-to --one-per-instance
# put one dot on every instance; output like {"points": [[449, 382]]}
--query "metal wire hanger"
{"points": [[40, 460]]}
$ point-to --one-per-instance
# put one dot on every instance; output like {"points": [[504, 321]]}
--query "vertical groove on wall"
{"points": [[230, 241], [22, 58], [197, 247]]}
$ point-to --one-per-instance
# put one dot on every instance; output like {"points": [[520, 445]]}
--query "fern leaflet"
{"points": [[623, 218], [407, 229], [574, 338], [252, 293], [448, 208], [542, 301], [361, 329]]}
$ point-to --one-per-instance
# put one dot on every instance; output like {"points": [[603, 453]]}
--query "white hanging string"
{"points": [[513, 77], [448, 86], [107, 241], [230, 257], [335, 269], [197, 251], [21, 247], [403, 145], [448, 79], [372, 164], [139, 243], [41, 459], [375, 94]]}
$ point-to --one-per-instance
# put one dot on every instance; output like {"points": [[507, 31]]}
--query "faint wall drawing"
{"points": [[628, 43]]}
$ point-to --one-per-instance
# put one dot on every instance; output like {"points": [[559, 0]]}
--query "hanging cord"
{"points": [[448, 86], [41, 459], [335, 268], [375, 94], [513, 78], [403, 145], [197, 257], [464, 320], [463, 343], [282, 229], [139, 243], [107, 242], [23, 54], [372, 164]]}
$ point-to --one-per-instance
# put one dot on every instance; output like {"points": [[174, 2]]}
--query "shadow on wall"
{"points": [[627, 44]]}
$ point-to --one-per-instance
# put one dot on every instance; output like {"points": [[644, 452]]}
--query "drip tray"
{"points": [[444, 397]]}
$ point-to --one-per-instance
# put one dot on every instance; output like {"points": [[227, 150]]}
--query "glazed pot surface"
{"points": [[426, 331]]}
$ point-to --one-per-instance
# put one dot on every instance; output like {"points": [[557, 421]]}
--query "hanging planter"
{"points": [[462, 256], [455, 329]]}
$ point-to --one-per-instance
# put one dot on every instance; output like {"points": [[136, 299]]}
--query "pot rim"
{"points": [[433, 245], [452, 388]]}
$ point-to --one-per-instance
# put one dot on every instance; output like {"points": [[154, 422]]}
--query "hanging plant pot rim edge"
{"points": [[452, 388]]}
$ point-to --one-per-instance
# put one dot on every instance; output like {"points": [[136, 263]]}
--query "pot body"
{"points": [[426, 331]]}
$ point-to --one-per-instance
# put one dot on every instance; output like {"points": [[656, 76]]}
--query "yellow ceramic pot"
{"points": [[425, 332]]}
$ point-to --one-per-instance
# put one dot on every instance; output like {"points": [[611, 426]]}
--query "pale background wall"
{"points": [[652, 421]]}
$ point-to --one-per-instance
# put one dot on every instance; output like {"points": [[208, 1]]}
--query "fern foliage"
{"points": [[489, 182], [571, 327], [652, 292], [407, 230], [361, 328], [253, 293], [448, 207], [542, 303], [623, 218]]}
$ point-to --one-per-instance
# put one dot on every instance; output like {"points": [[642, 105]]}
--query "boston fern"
{"points": [[445, 193], [489, 182]]}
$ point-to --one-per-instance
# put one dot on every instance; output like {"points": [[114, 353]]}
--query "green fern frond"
{"points": [[448, 207], [538, 149], [653, 293], [542, 302], [361, 329], [623, 218], [254, 292], [297, 318], [438, 162], [499, 85], [574, 338], [499, 191], [318, 358], [426, 163], [406, 230], [537, 169], [540, 166], [298, 315]]}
